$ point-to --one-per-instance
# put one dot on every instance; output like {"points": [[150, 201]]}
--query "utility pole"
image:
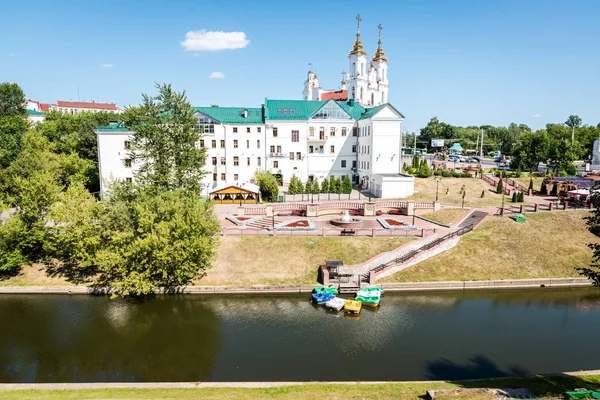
{"points": [[481, 143], [415, 146]]}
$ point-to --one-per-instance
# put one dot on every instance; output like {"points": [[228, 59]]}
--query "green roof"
{"points": [[291, 109], [456, 146], [351, 107], [34, 112], [115, 127], [233, 115]]}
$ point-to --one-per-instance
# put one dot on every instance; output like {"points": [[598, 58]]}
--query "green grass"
{"points": [[447, 216], [540, 386], [548, 245]]}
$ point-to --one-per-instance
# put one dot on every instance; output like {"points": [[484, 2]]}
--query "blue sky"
{"points": [[467, 62]]}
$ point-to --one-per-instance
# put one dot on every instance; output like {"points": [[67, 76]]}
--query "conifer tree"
{"points": [[499, 188], [346, 185], [325, 186]]}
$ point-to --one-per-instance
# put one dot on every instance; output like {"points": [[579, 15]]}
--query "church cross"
{"points": [[380, 28], [358, 19]]}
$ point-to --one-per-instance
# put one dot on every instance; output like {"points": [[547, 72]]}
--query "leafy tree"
{"points": [[269, 188], [139, 239], [593, 224], [499, 188], [573, 122], [12, 100], [435, 129], [164, 141], [346, 185], [12, 129], [325, 186], [11, 257]]}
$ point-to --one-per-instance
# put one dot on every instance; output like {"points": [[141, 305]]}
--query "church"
{"points": [[368, 87], [352, 132]]}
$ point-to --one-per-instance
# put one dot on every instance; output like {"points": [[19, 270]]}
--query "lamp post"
{"points": [[437, 184], [463, 198]]}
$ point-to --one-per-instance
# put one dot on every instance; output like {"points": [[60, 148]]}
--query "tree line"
{"points": [[154, 232]]}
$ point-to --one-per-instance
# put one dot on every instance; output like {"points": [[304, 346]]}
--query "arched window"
{"points": [[353, 92], [362, 69], [361, 94], [353, 69], [372, 99], [383, 74]]}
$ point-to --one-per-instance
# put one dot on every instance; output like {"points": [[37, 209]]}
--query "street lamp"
{"points": [[437, 184]]}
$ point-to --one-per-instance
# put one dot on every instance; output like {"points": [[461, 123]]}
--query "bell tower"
{"points": [[380, 87], [358, 79]]}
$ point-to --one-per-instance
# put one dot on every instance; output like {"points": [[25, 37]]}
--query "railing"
{"points": [[255, 210], [424, 204], [289, 206], [397, 233], [392, 204], [344, 205], [411, 254]]}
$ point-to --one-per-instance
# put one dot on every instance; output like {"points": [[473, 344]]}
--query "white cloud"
{"points": [[536, 115], [216, 75], [214, 40], [107, 65]]}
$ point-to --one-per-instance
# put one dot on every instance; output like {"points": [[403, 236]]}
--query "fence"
{"points": [[347, 205], [523, 208], [255, 210], [398, 233]]}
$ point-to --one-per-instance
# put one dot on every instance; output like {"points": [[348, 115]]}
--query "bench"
{"points": [[348, 232]]}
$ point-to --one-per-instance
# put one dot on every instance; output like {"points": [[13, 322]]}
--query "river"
{"points": [[78, 338]]}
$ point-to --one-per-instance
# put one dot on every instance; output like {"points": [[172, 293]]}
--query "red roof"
{"points": [[86, 104], [340, 95], [45, 106]]}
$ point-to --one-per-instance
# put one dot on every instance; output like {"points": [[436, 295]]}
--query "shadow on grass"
{"points": [[71, 271], [483, 373]]}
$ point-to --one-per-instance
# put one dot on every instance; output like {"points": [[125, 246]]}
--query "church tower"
{"points": [[379, 88], [311, 83], [358, 80]]}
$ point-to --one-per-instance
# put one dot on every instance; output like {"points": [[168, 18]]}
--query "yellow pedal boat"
{"points": [[352, 306]]}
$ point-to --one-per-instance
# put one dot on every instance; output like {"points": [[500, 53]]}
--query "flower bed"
{"points": [[243, 221], [300, 224], [391, 223]]}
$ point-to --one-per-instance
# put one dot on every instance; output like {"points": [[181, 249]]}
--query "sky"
{"points": [[466, 62]]}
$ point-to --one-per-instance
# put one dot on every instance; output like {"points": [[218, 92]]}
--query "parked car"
{"points": [[453, 157], [476, 159]]}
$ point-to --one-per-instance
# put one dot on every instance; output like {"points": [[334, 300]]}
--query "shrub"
{"points": [[483, 193], [521, 197], [500, 187], [518, 173], [455, 174], [531, 185], [269, 188], [447, 174], [515, 197], [543, 188], [424, 170], [438, 172], [571, 170], [466, 175]]}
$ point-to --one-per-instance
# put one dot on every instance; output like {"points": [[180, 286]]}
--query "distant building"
{"points": [[75, 107], [35, 116]]}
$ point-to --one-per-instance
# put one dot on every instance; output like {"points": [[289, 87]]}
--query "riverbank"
{"points": [[549, 385], [287, 289]]}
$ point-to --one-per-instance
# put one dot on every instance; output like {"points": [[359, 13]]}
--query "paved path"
{"points": [[473, 219]]}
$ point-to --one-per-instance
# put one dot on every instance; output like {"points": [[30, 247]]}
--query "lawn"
{"points": [[287, 260], [540, 385], [449, 192], [524, 182], [447, 216], [548, 245]]}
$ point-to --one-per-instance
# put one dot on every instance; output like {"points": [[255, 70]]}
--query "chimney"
{"points": [[245, 113]]}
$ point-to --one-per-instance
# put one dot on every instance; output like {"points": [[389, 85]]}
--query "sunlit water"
{"points": [[59, 338]]}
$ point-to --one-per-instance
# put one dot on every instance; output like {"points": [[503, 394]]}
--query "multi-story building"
{"points": [[309, 139], [75, 107]]}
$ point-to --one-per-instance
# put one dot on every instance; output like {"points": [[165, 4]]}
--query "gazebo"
{"points": [[246, 193], [455, 149]]}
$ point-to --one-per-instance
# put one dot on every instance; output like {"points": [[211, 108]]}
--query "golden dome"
{"points": [[358, 48]]}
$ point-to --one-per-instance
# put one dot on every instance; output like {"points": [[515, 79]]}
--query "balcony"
{"points": [[320, 138], [277, 155]]}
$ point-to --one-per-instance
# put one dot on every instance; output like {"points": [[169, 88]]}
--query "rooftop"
{"points": [[86, 104], [233, 115]]}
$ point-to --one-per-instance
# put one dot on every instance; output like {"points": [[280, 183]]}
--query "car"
{"points": [[476, 159], [453, 157]]}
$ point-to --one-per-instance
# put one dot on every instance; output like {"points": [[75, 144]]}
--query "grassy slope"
{"points": [[542, 386], [446, 216], [292, 260], [547, 245], [474, 187]]}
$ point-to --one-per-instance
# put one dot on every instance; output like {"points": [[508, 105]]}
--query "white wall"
{"points": [[111, 156], [393, 187]]}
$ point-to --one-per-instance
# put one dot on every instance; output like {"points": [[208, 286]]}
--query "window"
{"points": [[321, 133], [258, 129], [279, 149], [222, 144], [367, 165], [274, 132], [223, 161], [311, 131], [354, 148], [258, 144], [248, 129], [354, 164], [275, 164], [213, 144], [332, 131], [343, 163], [258, 161], [331, 111], [127, 163], [272, 149], [236, 161], [295, 136], [332, 149], [247, 144], [201, 143], [298, 156], [206, 124], [235, 177], [248, 161], [235, 143], [344, 131], [310, 149], [291, 155], [355, 131], [235, 130], [126, 145], [214, 161], [214, 177], [128, 180], [222, 176]]}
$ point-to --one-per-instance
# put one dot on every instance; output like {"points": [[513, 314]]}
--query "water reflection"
{"points": [[231, 338]]}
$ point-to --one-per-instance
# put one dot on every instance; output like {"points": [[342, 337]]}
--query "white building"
{"points": [[75, 107], [35, 117], [367, 85]]}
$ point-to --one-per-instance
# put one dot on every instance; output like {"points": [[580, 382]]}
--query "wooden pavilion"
{"points": [[233, 194]]}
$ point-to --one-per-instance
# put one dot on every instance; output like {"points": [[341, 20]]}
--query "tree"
{"points": [[269, 188], [332, 184], [301, 188], [424, 171], [346, 185], [12, 130], [12, 100], [415, 161], [573, 122], [531, 185], [139, 239], [325, 186], [338, 185], [293, 185], [499, 188], [164, 141], [316, 188], [531, 149], [543, 188], [436, 130], [593, 224]]}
